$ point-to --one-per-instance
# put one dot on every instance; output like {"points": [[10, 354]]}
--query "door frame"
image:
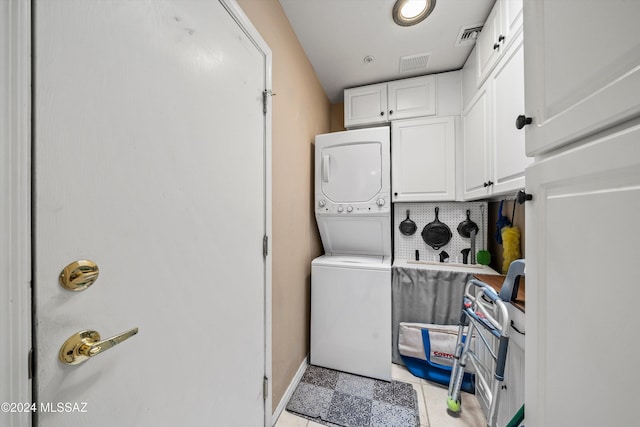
{"points": [[15, 204], [15, 210]]}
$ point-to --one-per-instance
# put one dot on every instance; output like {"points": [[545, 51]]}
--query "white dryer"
{"points": [[351, 283]]}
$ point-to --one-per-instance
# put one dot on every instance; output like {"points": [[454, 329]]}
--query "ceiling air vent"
{"points": [[412, 63], [468, 35]]}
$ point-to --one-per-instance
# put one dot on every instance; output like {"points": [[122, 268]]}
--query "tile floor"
{"points": [[432, 401]]}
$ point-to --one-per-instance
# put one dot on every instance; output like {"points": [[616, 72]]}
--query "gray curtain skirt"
{"points": [[424, 296]]}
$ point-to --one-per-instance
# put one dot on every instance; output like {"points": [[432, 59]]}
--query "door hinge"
{"points": [[265, 94], [265, 388], [30, 363], [265, 246]]}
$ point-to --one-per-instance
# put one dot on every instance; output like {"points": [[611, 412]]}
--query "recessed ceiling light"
{"points": [[411, 12]]}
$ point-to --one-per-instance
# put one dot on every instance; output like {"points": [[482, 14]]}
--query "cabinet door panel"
{"points": [[486, 54], [365, 105], [412, 98], [511, 21], [580, 78], [509, 158], [476, 145], [582, 261], [423, 159]]}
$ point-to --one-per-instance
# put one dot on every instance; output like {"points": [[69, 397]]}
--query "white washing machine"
{"points": [[351, 314], [351, 283]]}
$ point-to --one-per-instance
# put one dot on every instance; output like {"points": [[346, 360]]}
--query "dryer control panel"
{"points": [[380, 205]]}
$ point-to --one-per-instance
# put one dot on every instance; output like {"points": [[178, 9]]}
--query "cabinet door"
{"points": [[487, 45], [423, 159], [511, 11], [509, 159], [469, 78], [412, 98], [512, 389], [476, 134], [582, 259], [365, 105], [582, 70]]}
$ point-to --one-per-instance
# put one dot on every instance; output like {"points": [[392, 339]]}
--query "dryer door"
{"points": [[352, 167], [351, 173]]}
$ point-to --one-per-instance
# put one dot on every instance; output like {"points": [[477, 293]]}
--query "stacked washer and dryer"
{"points": [[351, 282]]}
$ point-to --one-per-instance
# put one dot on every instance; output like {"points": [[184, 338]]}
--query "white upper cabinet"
{"points": [[476, 134], [494, 149], [423, 159], [509, 159], [487, 45], [365, 105], [498, 33], [402, 99], [411, 98], [580, 78]]}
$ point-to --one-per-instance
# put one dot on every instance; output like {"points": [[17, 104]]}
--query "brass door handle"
{"points": [[85, 344]]}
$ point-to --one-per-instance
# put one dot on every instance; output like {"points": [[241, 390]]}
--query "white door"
{"points": [[582, 257], [150, 161]]}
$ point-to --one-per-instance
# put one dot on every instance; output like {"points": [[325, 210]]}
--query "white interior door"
{"points": [[150, 161]]}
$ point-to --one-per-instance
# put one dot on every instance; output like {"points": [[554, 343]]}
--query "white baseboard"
{"points": [[287, 394]]}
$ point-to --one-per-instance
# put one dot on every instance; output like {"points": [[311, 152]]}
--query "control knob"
{"points": [[321, 203], [380, 202], [349, 209], [340, 208]]}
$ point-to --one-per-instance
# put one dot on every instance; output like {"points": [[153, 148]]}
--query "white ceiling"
{"points": [[337, 34]]}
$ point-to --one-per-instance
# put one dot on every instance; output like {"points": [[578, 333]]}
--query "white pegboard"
{"points": [[452, 214]]}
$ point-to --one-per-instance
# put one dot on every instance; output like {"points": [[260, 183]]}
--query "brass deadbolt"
{"points": [[79, 275]]}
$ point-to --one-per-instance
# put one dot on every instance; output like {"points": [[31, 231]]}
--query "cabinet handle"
{"points": [[496, 46], [390, 112], [513, 325], [395, 194], [487, 184], [522, 121], [522, 197], [501, 38], [382, 113]]}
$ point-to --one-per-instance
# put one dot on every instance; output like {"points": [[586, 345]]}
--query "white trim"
{"points": [[241, 18], [289, 391], [15, 217]]}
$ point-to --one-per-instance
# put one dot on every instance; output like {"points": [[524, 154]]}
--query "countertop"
{"points": [[495, 281], [447, 266]]}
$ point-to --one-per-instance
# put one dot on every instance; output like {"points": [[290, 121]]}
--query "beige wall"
{"points": [[300, 111], [337, 117]]}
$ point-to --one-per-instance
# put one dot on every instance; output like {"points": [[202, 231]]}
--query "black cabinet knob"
{"points": [[487, 184], [395, 194], [522, 121], [382, 113], [501, 38], [522, 197], [496, 46], [390, 112]]}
